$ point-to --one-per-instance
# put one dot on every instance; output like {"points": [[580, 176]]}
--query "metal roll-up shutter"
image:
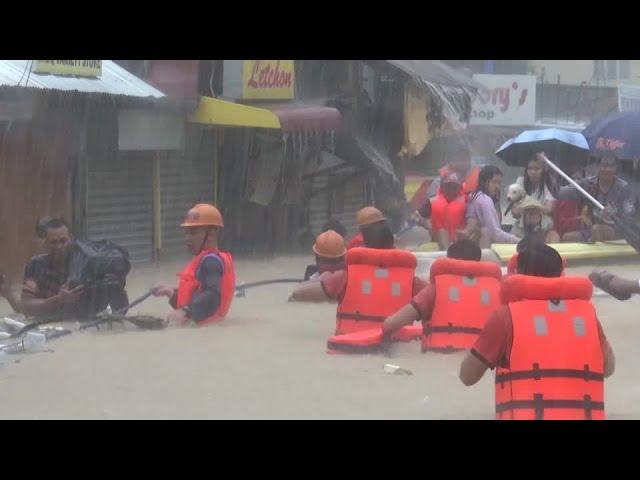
{"points": [[120, 203], [184, 182], [341, 203]]}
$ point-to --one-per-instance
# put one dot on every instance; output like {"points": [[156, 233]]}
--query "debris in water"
{"points": [[396, 370]]}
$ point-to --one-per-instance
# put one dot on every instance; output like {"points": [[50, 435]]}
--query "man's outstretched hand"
{"points": [[162, 290]]}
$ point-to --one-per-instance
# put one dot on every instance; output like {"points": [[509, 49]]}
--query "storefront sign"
{"points": [[80, 68], [505, 100], [268, 79]]}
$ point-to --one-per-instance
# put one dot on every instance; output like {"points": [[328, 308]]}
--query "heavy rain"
{"points": [[319, 239]]}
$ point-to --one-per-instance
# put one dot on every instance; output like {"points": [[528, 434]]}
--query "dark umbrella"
{"points": [[559, 145], [617, 134]]}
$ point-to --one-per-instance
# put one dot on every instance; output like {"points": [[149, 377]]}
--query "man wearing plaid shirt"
{"points": [[45, 291]]}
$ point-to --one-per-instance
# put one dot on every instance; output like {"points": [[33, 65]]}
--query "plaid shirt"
{"points": [[42, 279], [619, 195]]}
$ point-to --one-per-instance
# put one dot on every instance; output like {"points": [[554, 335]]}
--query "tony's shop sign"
{"points": [[504, 100]]}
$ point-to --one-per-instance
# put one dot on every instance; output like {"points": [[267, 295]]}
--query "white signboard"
{"points": [[628, 98], [505, 100]]}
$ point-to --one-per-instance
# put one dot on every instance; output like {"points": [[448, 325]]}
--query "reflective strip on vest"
{"points": [[462, 306], [556, 366], [454, 294], [376, 288], [485, 297], [540, 323]]}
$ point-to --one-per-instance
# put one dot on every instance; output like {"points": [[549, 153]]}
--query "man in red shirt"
{"points": [[421, 307], [493, 347]]}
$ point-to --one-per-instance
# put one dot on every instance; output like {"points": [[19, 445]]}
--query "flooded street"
{"points": [[267, 361]]}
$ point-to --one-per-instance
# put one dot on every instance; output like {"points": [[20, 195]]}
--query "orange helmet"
{"points": [[369, 215], [203, 215], [330, 244]]}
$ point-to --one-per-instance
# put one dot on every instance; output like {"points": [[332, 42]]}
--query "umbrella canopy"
{"points": [[617, 134], [558, 145]]}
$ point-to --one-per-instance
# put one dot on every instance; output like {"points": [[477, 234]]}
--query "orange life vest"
{"points": [[189, 284], [556, 367], [368, 341], [448, 215], [379, 283], [512, 266], [466, 294]]}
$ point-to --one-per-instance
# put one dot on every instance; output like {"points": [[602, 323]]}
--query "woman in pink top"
{"points": [[482, 212]]}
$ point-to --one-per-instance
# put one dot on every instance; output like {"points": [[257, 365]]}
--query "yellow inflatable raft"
{"points": [[570, 251]]}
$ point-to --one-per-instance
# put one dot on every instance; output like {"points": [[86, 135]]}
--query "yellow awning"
{"points": [[212, 111]]}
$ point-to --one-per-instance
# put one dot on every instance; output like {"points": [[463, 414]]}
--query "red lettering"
{"points": [[287, 79], [270, 79], [505, 96], [276, 75], [252, 81], [264, 76]]}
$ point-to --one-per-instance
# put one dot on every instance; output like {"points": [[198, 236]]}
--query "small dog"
{"points": [[515, 195]]}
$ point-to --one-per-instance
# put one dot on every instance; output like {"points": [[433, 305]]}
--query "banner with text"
{"points": [[505, 100], [268, 79], [80, 68]]}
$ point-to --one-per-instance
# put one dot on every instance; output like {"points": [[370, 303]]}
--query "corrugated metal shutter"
{"points": [[184, 183], [120, 203], [352, 199]]}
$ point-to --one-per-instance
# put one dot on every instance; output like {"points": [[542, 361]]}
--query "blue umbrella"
{"points": [[558, 145], [617, 134]]}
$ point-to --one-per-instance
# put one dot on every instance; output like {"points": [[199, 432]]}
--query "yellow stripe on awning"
{"points": [[212, 111]]}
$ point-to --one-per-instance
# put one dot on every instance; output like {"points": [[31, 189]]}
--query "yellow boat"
{"points": [[570, 251]]}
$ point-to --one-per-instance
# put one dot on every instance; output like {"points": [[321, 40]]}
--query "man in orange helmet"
{"points": [[330, 251], [372, 224], [332, 286], [207, 283]]}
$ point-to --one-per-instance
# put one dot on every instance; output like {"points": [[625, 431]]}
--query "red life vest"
{"points": [[512, 266], [448, 215], [379, 283], [556, 368], [466, 294], [189, 284], [356, 242]]}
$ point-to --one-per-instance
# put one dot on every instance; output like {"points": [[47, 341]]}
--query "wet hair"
{"points": [[486, 173], [336, 226], [378, 235], [539, 260], [545, 181], [464, 250], [41, 226], [46, 224]]}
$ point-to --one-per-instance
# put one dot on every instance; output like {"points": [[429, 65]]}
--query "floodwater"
{"points": [[267, 361]]}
